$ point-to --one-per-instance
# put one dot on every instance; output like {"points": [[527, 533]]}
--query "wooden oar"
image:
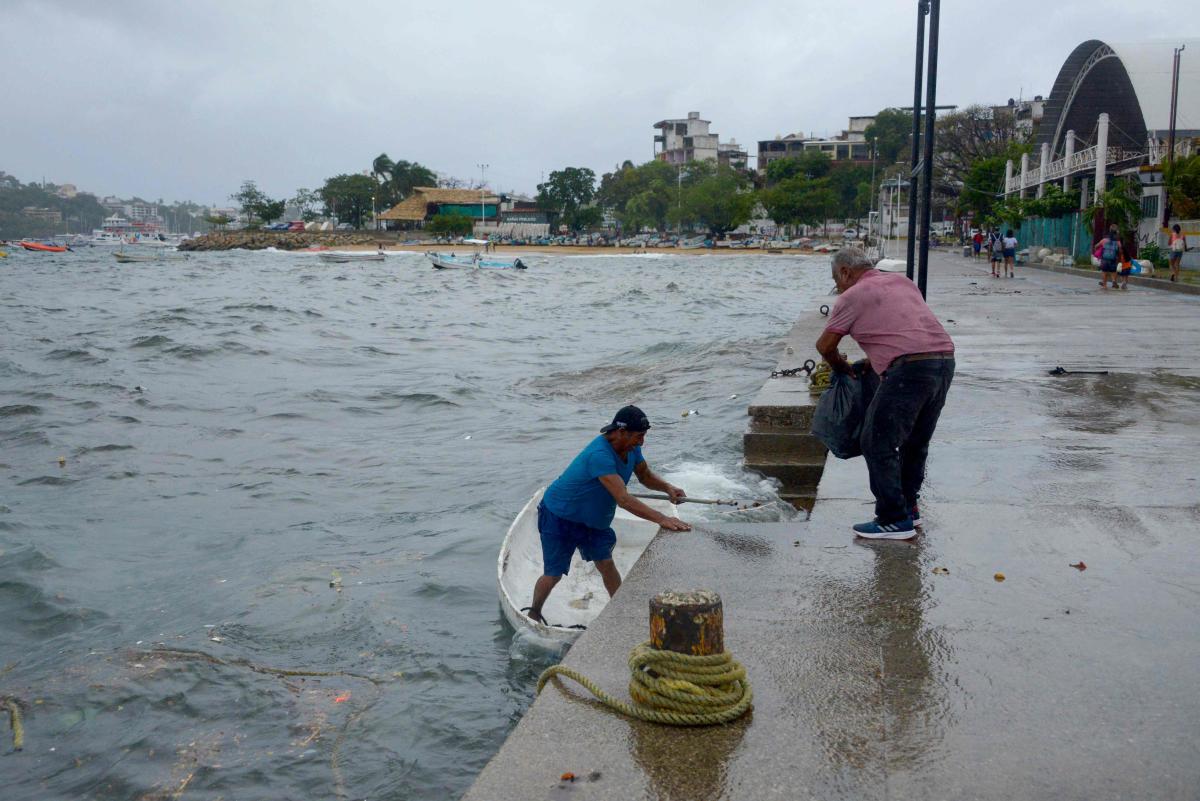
{"points": [[714, 501]]}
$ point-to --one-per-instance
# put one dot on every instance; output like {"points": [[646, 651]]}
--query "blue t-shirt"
{"points": [[578, 494]]}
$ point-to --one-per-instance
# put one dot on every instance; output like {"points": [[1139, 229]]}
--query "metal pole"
{"points": [[922, 10], [930, 114], [1171, 133]]}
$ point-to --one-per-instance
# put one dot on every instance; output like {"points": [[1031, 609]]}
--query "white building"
{"points": [[684, 140], [848, 145]]}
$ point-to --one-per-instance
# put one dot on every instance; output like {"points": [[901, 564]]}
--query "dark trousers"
{"points": [[896, 431]]}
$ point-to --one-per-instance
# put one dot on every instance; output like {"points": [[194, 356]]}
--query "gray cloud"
{"points": [[181, 100]]}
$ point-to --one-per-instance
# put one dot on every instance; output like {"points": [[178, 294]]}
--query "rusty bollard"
{"points": [[688, 622]]}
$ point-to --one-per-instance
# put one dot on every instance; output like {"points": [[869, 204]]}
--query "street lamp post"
{"points": [[482, 184]]}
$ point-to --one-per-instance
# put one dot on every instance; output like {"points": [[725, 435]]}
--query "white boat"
{"points": [[346, 257], [149, 255], [449, 261], [580, 596]]}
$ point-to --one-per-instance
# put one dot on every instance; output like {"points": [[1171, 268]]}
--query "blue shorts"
{"points": [[561, 538], [976, 246], [1009, 253]]}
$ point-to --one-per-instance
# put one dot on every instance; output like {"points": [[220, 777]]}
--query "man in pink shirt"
{"points": [[914, 357]]}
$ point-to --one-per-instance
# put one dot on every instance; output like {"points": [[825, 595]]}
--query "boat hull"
{"points": [[580, 595], [348, 258]]}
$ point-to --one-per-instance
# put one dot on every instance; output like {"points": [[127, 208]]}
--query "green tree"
{"points": [[349, 197], [451, 225], [1182, 178], [1053, 203], [305, 202], [251, 199], [892, 134], [218, 221], [650, 188], [271, 210], [566, 192], [809, 164], [718, 199], [1121, 205], [799, 201]]}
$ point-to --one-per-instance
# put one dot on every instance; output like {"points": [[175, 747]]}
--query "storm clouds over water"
{"points": [[271, 465]]}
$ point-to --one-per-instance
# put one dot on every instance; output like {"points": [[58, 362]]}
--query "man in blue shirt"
{"points": [[577, 510]]}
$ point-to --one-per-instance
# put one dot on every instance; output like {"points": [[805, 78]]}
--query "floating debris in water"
{"points": [[468, 436], [941, 571], [690, 412], [733, 396], [62, 461], [336, 581], [1080, 566], [999, 577]]}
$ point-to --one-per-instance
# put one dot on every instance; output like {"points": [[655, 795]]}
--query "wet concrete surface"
{"points": [[876, 677]]}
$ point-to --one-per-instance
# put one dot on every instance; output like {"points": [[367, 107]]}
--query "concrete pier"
{"points": [[909, 671]]}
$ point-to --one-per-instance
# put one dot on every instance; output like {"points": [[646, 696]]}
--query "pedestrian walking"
{"points": [[1010, 252], [996, 249], [1111, 253], [977, 243], [1177, 246]]}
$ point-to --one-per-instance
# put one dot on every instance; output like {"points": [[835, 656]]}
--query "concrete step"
{"points": [[781, 445], [797, 476], [773, 418]]}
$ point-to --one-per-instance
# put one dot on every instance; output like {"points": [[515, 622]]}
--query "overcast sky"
{"points": [[185, 100]]}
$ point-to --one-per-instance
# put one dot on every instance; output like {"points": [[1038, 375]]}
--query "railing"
{"points": [[1183, 149], [1080, 161]]}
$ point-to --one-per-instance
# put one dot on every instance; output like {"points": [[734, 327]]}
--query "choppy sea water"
{"points": [[273, 466]]}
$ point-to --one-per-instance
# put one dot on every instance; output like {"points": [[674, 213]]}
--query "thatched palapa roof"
{"points": [[415, 207]]}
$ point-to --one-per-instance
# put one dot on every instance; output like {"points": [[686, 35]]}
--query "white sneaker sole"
{"points": [[888, 535]]}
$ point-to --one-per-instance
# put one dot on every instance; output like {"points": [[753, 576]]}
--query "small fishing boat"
{"points": [[43, 247], [346, 257], [124, 257], [449, 261], [580, 596]]}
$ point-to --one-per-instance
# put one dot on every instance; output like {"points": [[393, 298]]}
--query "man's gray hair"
{"points": [[852, 259]]}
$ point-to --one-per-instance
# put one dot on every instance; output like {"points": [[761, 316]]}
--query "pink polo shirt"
{"points": [[887, 317]]}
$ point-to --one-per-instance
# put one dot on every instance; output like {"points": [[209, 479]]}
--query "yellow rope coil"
{"points": [[675, 689], [820, 378], [14, 718]]}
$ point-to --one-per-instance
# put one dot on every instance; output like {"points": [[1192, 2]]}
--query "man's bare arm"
{"points": [[616, 487], [827, 346]]}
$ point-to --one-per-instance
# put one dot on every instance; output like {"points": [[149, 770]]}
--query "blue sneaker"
{"points": [[874, 530], [916, 516]]}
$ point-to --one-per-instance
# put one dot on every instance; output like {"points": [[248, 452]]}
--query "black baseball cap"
{"points": [[628, 418]]}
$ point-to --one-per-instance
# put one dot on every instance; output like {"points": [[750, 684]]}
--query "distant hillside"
{"points": [[80, 213]]}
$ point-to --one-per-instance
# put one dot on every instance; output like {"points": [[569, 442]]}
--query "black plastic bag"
{"points": [[838, 418]]}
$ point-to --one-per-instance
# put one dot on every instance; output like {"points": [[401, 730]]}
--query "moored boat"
{"points": [[346, 257], [124, 257], [450, 261], [580, 596], [43, 247]]}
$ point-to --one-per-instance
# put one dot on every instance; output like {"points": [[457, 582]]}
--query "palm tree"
{"points": [[382, 168]]}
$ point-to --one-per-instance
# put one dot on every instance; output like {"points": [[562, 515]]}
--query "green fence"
{"points": [[1072, 233]]}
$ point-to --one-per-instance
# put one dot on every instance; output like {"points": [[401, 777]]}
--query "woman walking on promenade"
{"points": [[1111, 254], [1010, 252], [1177, 247], [996, 248]]}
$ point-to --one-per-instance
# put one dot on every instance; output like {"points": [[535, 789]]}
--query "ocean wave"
{"points": [[19, 409], [152, 341], [75, 355]]}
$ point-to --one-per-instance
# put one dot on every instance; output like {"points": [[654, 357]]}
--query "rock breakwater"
{"points": [[286, 240]]}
